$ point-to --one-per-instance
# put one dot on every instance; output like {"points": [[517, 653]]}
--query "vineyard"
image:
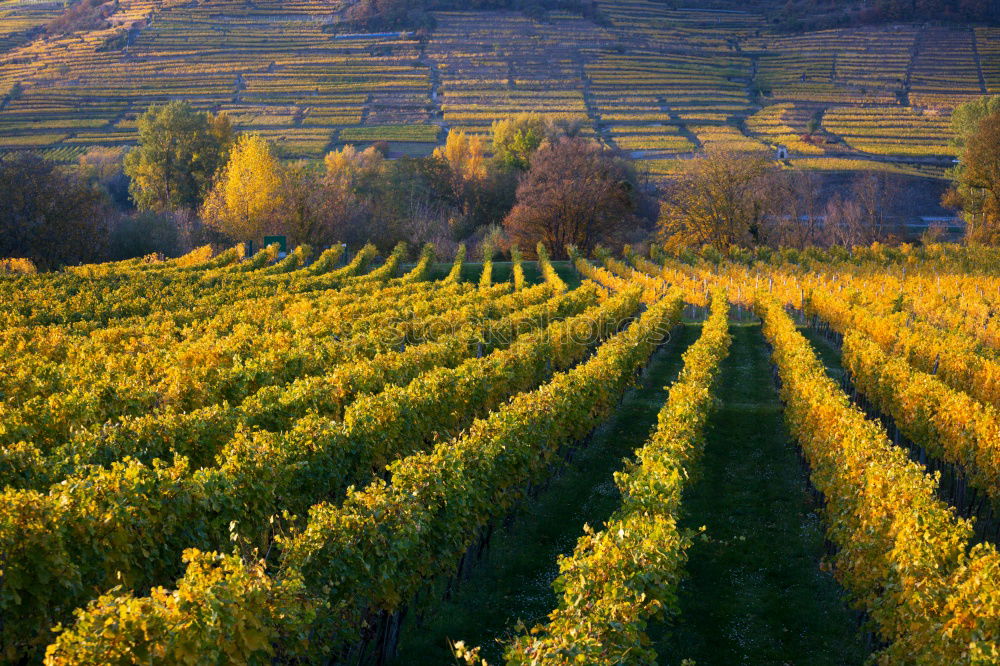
{"points": [[766, 457], [656, 82]]}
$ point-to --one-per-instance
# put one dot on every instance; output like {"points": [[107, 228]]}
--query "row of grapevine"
{"points": [[902, 554], [371, 554], [455, 274], [17, 267], [548, 271], [199, 433], [210, 370], [947, 424], [57, 343], [695, 291], [173, 325], [619, 578], [129, 522], [599, 275], [950, 423], [958, 359], [67, 298], [950, 302], [279, 313], [944, 353], [296, 259], [654, 287], [959, 304], [486, 277]]}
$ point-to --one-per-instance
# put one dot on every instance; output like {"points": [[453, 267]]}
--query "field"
{"points": [[658, 83], [772, 458]]}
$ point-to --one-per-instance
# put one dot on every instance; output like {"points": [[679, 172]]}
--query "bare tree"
{"points": [[796, 220], [877, 195], [845, 222]]}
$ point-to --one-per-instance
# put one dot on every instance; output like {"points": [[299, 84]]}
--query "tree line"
{"points": [[82, 15], [799, 15], [728, 199], [377, 15], [193, 180]]}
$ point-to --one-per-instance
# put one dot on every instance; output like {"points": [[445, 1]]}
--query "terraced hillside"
{"points": [[656, 82]]}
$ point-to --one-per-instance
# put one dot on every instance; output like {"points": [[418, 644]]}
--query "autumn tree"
{"points": [[483, 193], [844, 222], [410, 199], [352, 167], [312, 204], [52, 217], [374, 15], [722, 199], [877, 195], [179, 152], [246, 200], [977, 182], [386, 14], [465, 154], [575, 193], [82, 15]]}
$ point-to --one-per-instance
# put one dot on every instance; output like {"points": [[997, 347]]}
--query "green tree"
{"points": [[179, 152], [966, 117], [517, 138], [977, 182]]}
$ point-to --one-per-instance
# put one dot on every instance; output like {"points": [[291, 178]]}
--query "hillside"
{"points": [[657, 82]]}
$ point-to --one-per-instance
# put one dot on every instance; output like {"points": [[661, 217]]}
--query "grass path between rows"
{"points": [[513, 581], [755, 592]]}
